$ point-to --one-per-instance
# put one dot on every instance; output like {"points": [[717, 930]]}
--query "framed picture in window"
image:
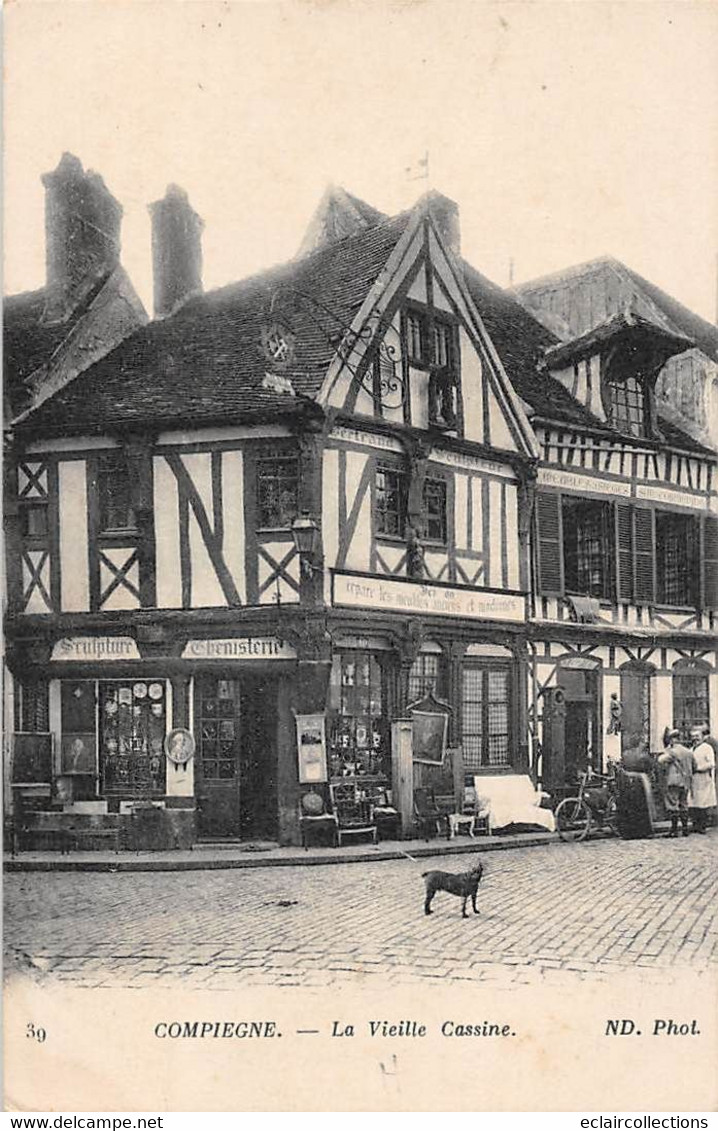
{"points": [[311, 748], [32, 758], [78, 754]]}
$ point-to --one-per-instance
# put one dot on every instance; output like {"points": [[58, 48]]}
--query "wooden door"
{"points": [[258, 764], [218, 737]]}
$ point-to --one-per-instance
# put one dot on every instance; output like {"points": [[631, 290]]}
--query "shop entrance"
{"points": [[236, 782], [572, 724]]}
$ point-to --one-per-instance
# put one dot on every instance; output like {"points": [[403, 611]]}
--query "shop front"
{"points": [[184, 746]]}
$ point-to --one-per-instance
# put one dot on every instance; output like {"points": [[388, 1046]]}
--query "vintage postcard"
{"points": [[360, 697]]}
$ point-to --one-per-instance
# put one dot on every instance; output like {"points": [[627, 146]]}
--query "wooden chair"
{"points": [[314, 820], [472, 815], [354, 813], [427, 813]]}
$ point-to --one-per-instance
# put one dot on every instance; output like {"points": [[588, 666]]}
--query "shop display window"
{"points": [[132, 718], [358, 731]]}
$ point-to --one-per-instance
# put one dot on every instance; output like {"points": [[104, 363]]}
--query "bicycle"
{"points": [[575, 816]]}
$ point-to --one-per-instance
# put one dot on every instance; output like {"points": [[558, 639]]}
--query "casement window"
{"points": [[690, 696], [626, 405], [277, 492], [586, 547], [426, 677], [391, 497], [675, 558], [433, 346], [114, 494], [34, 520], [434, 517], [635, 554], [486, 717], [357, 721], [416, 337]]}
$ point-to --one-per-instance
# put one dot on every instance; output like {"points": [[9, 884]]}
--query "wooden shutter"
{"points": [[550, 555], [624, 552], [644, 556], [710, 563]]}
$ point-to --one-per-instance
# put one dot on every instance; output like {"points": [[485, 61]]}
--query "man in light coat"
{"points": [[703, 786]]}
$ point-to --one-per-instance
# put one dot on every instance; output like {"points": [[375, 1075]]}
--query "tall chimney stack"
{"points": [[176, 251], [445, 214], [82, 236]]}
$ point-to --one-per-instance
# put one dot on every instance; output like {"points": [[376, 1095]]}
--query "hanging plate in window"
{"points": [[155, 691]]}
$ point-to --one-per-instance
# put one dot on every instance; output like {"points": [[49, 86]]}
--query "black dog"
{"points": [[464, 884]]}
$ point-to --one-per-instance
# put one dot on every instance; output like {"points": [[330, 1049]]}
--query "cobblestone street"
{"points": [[550, 914]]}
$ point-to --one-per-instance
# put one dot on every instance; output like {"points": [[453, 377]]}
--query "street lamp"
{"points": [[305, 534]]}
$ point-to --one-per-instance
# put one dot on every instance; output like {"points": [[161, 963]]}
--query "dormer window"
{"points": [[627, 405], [432, 349]]}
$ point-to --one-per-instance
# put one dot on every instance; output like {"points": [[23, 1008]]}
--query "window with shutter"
{"points": [[710, 563], [550, 555], [644, 556]]}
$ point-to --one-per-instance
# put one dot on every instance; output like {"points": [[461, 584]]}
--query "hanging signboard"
{"points": [[311, 748]]}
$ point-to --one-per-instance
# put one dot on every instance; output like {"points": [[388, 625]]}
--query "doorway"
{"points": [[236, 779], [582, 725]]}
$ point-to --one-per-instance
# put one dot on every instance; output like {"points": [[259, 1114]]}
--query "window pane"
{"points": [[33, 521], [415, 336], [472, 718], [277, 492], [114, 496], [424, 677], [390, 493], [674, 542], [626, 406], [587, 547], [435, 510], [690, 701]]}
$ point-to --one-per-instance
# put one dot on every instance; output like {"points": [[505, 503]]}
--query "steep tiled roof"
{"points": [[27, 344], [702, 333], [205, 363], [521, 341]]}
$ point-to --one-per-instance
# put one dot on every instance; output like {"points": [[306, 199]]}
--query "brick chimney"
{"points": [[82, 236], [445, 214], [176, 251]]}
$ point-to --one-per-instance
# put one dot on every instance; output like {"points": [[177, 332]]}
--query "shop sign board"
{"points": [[678, 497], [311, 748], [579, 481], [240, 648], [362, 591], [95, 648]]}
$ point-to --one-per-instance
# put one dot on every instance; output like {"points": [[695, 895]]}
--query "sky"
{"points": [[565, 131]]}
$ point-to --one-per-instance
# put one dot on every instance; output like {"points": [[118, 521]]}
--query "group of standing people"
{"points": [[689, 783]]}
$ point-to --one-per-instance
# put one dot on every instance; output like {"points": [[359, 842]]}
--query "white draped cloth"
{"points": [[511, 799]]}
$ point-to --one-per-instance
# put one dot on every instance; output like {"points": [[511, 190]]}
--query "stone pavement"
{"points": [[553, 914]]}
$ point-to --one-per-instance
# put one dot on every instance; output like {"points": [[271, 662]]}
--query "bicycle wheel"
{"points": [[573, 819], [610, 817]]}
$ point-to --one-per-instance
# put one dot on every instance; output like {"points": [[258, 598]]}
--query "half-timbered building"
{"points": [[625, 557], [313, 492]]}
